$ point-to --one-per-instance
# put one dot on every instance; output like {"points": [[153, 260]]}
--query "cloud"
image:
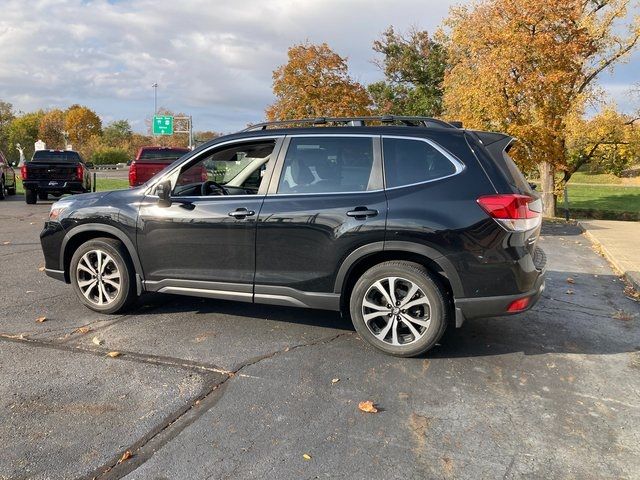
{"points": [[213, 60]]}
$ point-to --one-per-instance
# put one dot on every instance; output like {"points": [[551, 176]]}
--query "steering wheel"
{"points": [[204, 188]]}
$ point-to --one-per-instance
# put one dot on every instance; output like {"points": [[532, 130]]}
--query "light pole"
{"points": [[155, 98]]}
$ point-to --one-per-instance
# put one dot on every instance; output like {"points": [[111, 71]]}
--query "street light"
{"points": [[155, 98]]}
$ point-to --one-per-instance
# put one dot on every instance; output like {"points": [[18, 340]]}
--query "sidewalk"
{"points": [[620, 243]]}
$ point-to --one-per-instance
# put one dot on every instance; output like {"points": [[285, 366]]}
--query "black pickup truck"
{"points": [[55, 172]]}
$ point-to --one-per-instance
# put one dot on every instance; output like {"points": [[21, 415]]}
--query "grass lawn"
{"points": [[602, 201], [102, 184]]}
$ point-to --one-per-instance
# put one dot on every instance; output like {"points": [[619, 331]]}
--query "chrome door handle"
{"points": [[242, 213], [361, 213]]}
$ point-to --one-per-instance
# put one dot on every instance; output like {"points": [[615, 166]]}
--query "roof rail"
{"points": [[357, 122]]}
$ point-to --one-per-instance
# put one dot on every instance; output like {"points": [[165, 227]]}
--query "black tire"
{"points": [[429, 289], [126, 295], [31, 196], [2, 188], [43, 196], [11, 191]]}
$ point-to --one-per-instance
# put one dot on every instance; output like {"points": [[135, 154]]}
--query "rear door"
{"points": [[325, 200]]}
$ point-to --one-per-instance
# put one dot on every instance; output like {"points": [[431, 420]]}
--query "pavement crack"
{"points": [[177, 422]]}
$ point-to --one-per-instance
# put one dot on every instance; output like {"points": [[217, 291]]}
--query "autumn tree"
{"points": [[51, 128], [6, 117], [315, 82], [117, 134], [413, 66], [528, 67], [81, 123], [23, 130]]}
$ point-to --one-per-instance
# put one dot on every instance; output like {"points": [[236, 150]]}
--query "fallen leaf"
{"points": [[367, 407], [569, 292], [6, 243], [334, 381], [97, 341], [41, 269], [306, 456], [622, 315], [125, 456], [570, 280], [41, 319], [113, 354], [82, 330]]}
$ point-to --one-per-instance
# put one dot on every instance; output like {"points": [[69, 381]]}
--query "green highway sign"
{"points": [[162, 125]]}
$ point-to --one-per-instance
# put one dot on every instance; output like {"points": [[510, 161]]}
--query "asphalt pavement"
{"points": [[206, 388]]}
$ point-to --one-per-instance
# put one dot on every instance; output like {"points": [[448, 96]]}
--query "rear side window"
{"points": [[409, 161], [327, 165]]}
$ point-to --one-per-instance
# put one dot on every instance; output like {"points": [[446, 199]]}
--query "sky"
{"points": [[212, 59]]}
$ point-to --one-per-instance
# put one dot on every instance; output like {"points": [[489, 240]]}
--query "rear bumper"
{"points": [[62, 186]]}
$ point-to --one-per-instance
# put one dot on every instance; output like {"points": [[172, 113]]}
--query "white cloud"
{"points": [[213, 60]]}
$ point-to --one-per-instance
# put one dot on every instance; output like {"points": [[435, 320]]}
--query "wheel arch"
{"points": [[88, 231], [369, 255]]}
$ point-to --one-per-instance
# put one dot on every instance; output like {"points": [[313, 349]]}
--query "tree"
{"points": [[315, 82], [24, 130], [528, 67], [51, 128], [81, 123], [117, 134], [6, 117], [608, 142], [413, 67]]}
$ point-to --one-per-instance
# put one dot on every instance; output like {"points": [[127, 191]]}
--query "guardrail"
{"points": [[117, 166]]}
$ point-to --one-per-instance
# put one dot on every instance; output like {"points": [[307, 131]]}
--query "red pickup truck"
{"points": [[151, 160]]}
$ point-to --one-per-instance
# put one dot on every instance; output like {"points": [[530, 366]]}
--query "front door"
{"points": [[205, 240], [326, 199]]}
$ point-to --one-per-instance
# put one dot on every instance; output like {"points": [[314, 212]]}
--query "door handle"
{"points": [[242, 213], [361, 213]]}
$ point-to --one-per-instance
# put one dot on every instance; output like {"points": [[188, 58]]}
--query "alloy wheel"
{"points": [[98, 277], [396, 311]]}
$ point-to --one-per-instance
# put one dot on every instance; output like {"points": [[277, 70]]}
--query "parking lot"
{"points": [[214, 389]]}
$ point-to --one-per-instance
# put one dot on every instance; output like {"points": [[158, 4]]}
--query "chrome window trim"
{"points": [[168, 173], [285, 149], [458, 165]]}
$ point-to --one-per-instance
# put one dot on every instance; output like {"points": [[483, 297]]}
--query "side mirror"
{"points": [[163, 190], [90, 165]]}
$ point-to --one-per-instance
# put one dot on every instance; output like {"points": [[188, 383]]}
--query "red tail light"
{"points": [[133, 174], [518, 305], [514, 212], [80, 172], [23, 172]]}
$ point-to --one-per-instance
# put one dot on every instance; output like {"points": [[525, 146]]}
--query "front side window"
{"points": [[233, 170], [327, 165], [408, 161]]}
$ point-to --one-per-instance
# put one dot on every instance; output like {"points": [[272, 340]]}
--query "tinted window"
{"points": [[53, 156], [327, 165], [167, 154], [413, 161]]}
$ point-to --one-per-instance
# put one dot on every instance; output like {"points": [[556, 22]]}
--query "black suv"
{"points": [[409, 224]]}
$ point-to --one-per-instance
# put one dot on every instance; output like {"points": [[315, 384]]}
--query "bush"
{"points": [[110, 156]]}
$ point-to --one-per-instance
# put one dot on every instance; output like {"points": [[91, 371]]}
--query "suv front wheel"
{"points": [[398, 308], [102, 275]]}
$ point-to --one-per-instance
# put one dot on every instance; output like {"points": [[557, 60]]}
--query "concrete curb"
{"points": [[635, 283]]}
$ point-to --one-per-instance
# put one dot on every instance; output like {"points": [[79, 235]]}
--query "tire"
{"points": [[1, 188], [115, 261], [427, 305], [11, 191], [43, 196], [30, 196]]}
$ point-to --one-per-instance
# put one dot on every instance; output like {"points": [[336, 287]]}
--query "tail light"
{"points": [[23, 172], [516, 213], [80, 172], [133, 174], [519, 305]]}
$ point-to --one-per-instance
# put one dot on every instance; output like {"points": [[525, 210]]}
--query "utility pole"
{"points": [[155, 98]]}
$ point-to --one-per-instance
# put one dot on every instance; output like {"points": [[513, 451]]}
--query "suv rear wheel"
{"points": [[102, 275], [398, 308]]}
